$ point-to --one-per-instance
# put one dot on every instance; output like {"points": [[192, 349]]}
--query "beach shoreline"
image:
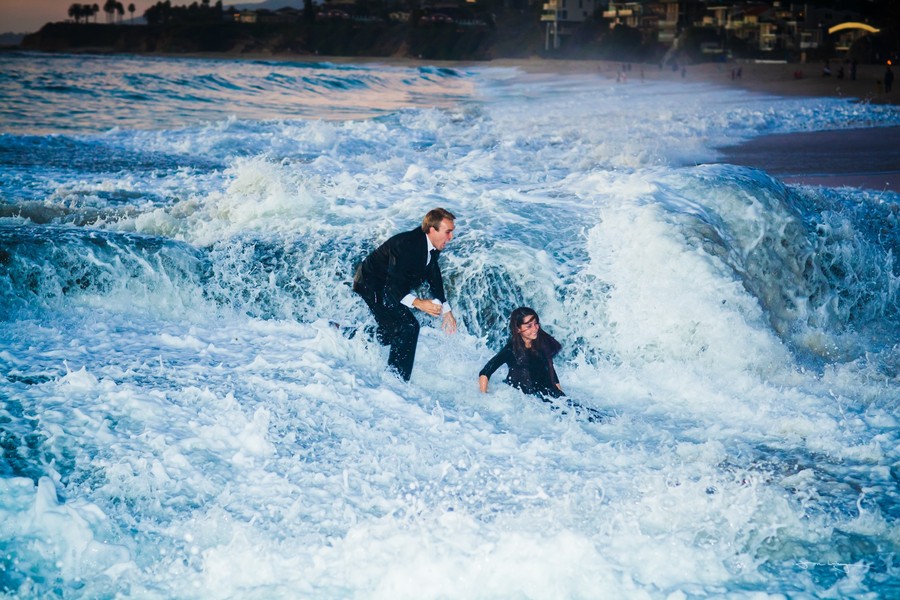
{"points": [[865, 158], [861, 158], [767, 77]]}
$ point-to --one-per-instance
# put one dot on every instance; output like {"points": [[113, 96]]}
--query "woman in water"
{"points": [[529, 355]]}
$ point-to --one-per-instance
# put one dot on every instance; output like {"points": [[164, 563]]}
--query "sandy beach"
{"points": [[862, 158], [782, 79]]}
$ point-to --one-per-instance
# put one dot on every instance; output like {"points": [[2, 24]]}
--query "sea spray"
{"points": [[179, 405]]}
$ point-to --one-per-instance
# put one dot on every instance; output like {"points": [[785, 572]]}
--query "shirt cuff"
{"points": [[408, 301]]}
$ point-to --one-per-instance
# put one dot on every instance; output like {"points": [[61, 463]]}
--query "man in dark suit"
{"points": [[389, 275]]}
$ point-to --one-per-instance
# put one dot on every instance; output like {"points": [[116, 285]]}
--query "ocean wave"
{"points": [[193, 400], [169, 93]]}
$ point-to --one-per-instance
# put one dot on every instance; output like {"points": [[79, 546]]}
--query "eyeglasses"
{"points": [[533, 324]]}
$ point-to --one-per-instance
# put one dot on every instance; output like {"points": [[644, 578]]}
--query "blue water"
{"points": [[179, 419]]}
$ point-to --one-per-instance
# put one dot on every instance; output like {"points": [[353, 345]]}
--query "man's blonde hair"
{"points": [[434, 218]]}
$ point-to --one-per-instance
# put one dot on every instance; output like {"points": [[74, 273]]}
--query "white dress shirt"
{"points": [[408, 299]]}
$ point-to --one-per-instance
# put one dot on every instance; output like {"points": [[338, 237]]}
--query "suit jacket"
{"points": [[397, 267]]}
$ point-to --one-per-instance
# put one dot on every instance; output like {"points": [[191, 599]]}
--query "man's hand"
{"points": [[482, 383], [449, 324], [432, 308]]}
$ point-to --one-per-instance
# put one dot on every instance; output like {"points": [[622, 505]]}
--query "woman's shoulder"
{"points": [[507, 347], [549, 344]]}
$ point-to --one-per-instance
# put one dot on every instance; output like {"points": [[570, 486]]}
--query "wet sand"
{"points": [[864, 158], [783, 79]]}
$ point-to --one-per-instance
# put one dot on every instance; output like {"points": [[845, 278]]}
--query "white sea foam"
{"points": [[181, 418]]}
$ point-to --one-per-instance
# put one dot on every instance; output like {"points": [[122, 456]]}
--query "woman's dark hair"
{"points": [[545, 343]]}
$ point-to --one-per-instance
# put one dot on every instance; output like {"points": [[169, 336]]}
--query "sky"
{"points": [[27, 16]]}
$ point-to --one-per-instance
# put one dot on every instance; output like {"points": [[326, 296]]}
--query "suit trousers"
{"points": [[397, 328]]}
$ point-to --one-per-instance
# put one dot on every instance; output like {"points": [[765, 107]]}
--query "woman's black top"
{"points": [[533, 374]]}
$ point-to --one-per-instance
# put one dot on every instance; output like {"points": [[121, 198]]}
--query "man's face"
{"points": [[443, 234]]}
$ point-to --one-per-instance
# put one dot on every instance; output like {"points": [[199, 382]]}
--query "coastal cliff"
{"points": [[517, 35]]}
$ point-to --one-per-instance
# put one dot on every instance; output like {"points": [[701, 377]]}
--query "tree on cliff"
{"points": [[158, 13], [82, 11], [164, 12], [111, 8]]}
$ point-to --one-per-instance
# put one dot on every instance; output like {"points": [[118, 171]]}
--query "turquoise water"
{"points": [[179, 419]]}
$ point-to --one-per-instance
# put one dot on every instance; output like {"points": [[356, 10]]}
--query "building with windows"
{"points": [[560, 16], [659, 21], [781, 26]]}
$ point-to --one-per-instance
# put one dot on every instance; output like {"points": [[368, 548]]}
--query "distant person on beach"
{"points": [[529, 356], [387, 277], [888, 79]]}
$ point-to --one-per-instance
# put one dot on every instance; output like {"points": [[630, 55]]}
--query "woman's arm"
{"points": [[502, 357], [554, 378]]}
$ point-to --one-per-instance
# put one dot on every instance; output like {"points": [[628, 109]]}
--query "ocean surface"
{"points": [[179, 419]]}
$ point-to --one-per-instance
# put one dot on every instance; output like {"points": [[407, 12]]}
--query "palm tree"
{"points": [[109, 8], [120, 10], [94, 10], [131, 10], [81, 11]]}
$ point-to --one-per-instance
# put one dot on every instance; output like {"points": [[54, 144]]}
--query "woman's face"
{"points": [[529, 329]]}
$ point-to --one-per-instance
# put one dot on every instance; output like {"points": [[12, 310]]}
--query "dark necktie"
{"points": [[434, 255]]}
